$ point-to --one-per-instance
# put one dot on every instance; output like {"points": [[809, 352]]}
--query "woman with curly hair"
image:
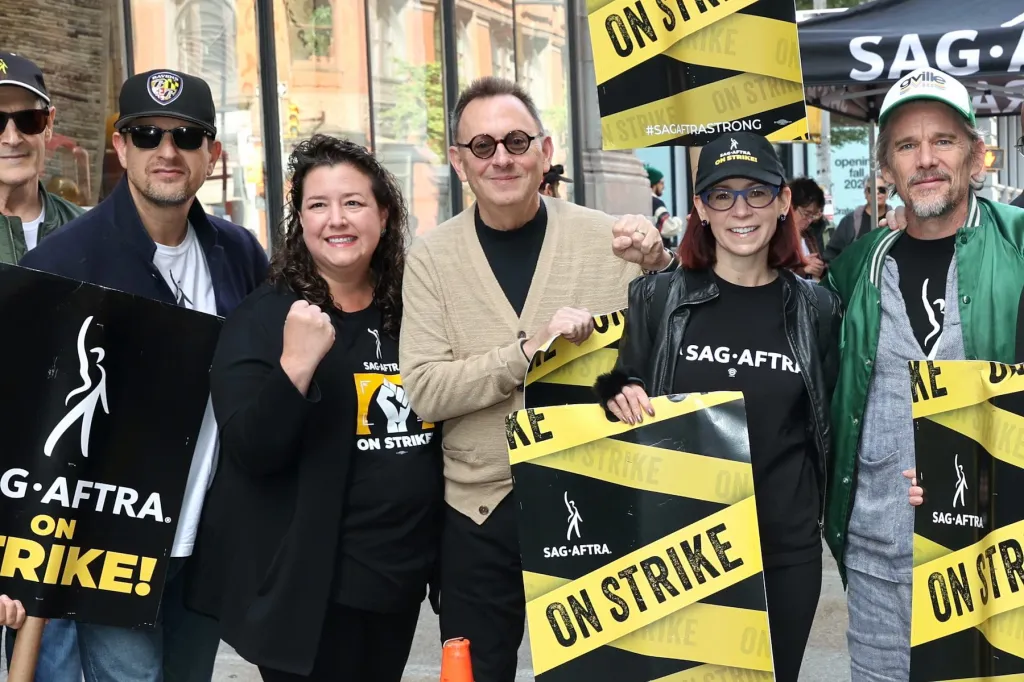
{"points": [[320, 533]]}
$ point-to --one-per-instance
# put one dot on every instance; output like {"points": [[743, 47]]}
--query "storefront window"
{"points": [[542, 68], [82, 59], [321, 68], [409, 105], [486, 47], [216, 41]]}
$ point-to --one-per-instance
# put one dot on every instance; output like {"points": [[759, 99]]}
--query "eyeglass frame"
{"points": [[815, 217], [8, 116], [130, 130], [502, 142], [736, 193]]}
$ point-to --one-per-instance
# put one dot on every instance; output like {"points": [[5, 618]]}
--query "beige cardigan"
{"points": [[459, 346]]}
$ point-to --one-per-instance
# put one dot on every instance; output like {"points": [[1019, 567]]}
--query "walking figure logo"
{"points": [[376, 335], [574, 517], [733, 144], [961, 482], [86, 407]]}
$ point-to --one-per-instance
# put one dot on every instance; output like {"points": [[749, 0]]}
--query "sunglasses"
{"points": [[29, 122], [882, 189], [722, 199], [186, 138], [484, 146]]}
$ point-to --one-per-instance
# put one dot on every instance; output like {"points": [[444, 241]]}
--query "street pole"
{"points": [[824, 144]]}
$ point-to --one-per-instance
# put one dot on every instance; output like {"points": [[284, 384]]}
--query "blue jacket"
{"points": [[109, 246]]}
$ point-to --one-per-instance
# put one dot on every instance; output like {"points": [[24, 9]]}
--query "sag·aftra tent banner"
{"points": [[683, 72], [968, 592], [105, 397], [640, 549]]}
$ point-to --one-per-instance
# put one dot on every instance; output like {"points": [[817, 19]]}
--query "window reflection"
{"points": [[81, 54], [408, 104], [542, 54], [216, 41]]}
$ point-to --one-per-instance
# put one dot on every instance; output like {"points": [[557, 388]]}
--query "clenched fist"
{"points": [[636, 240], [308, 335]]}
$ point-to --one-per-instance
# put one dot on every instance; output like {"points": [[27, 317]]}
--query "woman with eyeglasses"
{"points": [[320, 533], [734, 318]]}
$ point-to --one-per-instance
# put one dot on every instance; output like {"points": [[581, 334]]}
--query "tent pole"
{"points": [[872, 167]]}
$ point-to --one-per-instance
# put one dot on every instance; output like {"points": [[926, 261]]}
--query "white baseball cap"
{"points": [[928, 83]]}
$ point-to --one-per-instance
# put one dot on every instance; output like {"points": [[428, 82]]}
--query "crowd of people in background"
{"points": [[311, 555]]}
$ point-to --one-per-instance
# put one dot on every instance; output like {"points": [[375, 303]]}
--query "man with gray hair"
{"points": [[482, 293], [946, 288]]}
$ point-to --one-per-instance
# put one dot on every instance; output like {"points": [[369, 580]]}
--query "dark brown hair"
{"points": [[293, 266]]}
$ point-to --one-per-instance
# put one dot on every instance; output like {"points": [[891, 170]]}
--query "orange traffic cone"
{"points": [[455, 663]]}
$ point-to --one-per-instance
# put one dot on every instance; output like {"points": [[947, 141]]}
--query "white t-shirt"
{"points": [[186, 272], [32, 230]]}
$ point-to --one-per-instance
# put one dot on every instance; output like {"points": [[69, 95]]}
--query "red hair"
{"points": [[697, 250]]}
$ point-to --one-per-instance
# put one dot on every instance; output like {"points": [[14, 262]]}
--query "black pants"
{"points": [[792, 593], [358, 646], [482, 589]]}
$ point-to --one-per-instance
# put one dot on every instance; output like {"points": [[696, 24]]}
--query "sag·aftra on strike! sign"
{"points": [[106, 394], [640, 546], [968, 592]]}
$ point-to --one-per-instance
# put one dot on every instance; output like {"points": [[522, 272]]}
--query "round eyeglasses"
{"points": [[722, 199], [484, 146]]}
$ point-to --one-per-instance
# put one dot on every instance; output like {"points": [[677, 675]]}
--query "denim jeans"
{"points": [[182, 648], [58, 654], [879, 633]]}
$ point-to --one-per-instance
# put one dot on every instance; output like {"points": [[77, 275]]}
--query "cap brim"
{"points": [[967, 115], [25, 86], [754, 173], [125, 120]]}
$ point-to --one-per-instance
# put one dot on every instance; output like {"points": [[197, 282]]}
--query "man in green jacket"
{"points": [[946, 288], [28, 213]]}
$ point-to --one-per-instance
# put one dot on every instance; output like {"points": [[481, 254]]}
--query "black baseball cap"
{"points": [[23, 73], [164, 92], [738, 155]]}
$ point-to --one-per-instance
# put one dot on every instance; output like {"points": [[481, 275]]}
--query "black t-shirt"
{"points": [[513, 255], [737, 342], [390, 523], [923, 265]]}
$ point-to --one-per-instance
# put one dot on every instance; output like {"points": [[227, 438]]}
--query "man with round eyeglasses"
{"points": [[151, 237], [28, 213], [482, 292]]}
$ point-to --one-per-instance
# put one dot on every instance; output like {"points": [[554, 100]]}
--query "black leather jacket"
{"points": [[649, 348]]}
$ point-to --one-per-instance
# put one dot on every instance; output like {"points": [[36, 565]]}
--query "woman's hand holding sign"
{"points": [[12, 613], [308, 335], [630, 404]]}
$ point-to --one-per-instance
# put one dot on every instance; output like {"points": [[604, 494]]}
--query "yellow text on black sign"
{"points": [[646, 585], [66, 565]]}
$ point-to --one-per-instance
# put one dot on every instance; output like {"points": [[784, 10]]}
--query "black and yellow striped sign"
{"points": [[968, 593], [683, 72], [640, 549]]}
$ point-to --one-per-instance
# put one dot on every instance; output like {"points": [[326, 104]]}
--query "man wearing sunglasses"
{"points": [[28, 213], [482, 293], [152, 238], [858, 223]]}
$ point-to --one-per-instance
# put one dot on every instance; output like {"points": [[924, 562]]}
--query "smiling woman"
{"points": [[331, 483], [747, 324]]}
